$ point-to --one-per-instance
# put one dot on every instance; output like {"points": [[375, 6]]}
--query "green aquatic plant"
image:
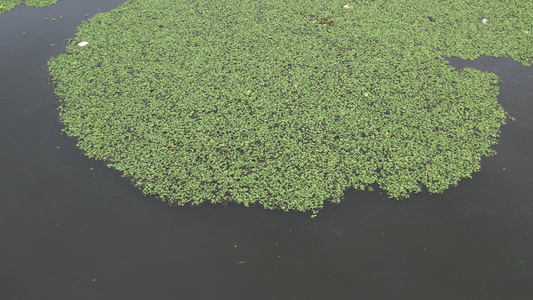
{"points": [[6, 5], [287, 104]]}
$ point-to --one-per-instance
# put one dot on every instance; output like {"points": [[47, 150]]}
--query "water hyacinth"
{"points": [[287, 104], [6, 5]]}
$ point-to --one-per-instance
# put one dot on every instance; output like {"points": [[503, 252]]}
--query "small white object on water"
{"points": [[347, 6], [484, 21], [81, 44]]}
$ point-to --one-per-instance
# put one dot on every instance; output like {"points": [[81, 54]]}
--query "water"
{"points": [[69, 232]]}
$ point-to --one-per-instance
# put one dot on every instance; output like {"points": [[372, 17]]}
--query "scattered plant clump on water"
{"points": [[6, 5], [288, 103]]}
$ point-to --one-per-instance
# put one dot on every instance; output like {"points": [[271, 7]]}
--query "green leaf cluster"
{"points": [[6, 5], [287, 104]]}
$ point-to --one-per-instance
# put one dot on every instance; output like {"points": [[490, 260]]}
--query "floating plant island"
{"points": [[287, 104], [6, 5]]}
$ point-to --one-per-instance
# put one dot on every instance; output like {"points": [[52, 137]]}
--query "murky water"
{"points": [[72, 229]]}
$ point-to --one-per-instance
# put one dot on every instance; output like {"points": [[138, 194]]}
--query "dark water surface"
{"points": [[69, 232]]}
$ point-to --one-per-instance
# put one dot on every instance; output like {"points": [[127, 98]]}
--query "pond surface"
{"points": [[70, 228]]}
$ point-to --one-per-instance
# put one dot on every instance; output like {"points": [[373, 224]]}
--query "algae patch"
{"points": [[288, 103]]}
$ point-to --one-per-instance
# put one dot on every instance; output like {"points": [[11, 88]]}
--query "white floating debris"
{"points": [[484, 21], [81, 44], [347, 6]]}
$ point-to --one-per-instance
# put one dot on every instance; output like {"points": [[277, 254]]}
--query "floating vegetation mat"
{"points": [[288, 103], [6, 5]]}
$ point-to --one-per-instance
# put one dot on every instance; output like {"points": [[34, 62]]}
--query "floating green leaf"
{"points": [[6, 5], [288, 103]]}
